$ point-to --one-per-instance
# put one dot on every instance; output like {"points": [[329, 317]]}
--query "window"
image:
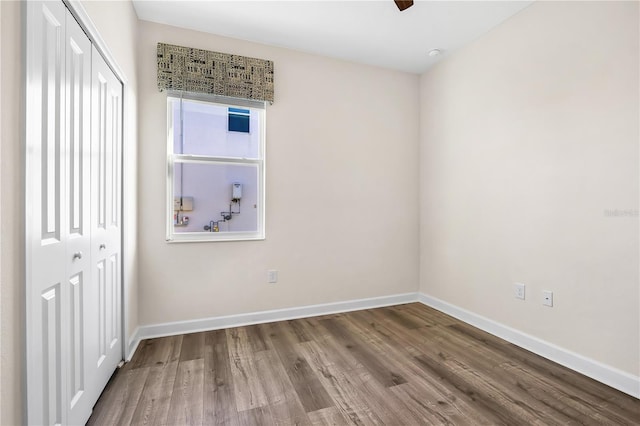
{"points": [[215, 182]]}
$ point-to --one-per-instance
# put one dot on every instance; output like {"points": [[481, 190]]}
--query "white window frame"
{"points": [[172, 159]]}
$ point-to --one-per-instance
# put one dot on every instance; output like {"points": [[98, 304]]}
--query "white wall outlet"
{"points": [[547, 298], [518, 290], [272, 276]]}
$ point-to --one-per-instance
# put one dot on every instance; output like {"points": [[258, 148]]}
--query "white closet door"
{"points": [[106, 111], [72, 215], [79, 401], [46, 230]]}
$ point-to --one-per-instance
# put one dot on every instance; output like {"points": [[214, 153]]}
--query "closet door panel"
{"points": [[52, 81], [77, 183], [52, 383], [76, 340], [105, 219], [46, 260]]}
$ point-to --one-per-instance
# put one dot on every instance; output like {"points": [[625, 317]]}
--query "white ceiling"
{"points": [[365, 31]]}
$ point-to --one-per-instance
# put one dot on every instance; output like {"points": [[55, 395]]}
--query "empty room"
{"points": [[319, 212]]}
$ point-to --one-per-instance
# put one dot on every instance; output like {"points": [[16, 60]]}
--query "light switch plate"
{"points": [[518, 290]]}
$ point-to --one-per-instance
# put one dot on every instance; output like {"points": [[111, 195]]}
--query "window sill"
{"points": [[199, 237]]}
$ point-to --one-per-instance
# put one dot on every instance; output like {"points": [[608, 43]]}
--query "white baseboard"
{"points": [[134, 341], [603, 373], [216, 323]]}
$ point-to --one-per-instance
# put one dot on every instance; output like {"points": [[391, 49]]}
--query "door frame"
{"points": [[77, 10]]}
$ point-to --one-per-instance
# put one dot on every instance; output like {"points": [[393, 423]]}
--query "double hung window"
{"points": [[215, 179]]}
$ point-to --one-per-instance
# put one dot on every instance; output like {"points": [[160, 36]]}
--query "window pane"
{"points": [[215, 130], [206, 194]]}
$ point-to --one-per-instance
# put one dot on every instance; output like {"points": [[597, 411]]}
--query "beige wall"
{"points": [[342, 173], [12, 218], [121, 42], [528, 137], [0, 211]]}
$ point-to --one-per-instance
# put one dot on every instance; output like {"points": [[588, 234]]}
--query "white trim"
{"points": [[216, 323], [134, 341], [219, 99], [171, 236], [80, 14], [617, 379]]}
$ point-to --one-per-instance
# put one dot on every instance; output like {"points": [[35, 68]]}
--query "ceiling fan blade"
{"points": [[403, 4]]}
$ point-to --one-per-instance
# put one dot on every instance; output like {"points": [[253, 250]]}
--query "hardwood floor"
{"points": [[401, 365]]}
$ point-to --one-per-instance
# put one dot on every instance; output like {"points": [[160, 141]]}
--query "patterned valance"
{"points": [[203, 71]]}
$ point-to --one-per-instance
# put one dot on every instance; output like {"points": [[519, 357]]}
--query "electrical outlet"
{"points": [[547, 298], [272, 276], [518, 290]]}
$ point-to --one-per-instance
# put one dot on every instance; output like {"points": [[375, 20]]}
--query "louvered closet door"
{"points": [[106, 111]]}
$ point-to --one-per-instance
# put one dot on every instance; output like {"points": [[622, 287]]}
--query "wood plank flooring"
{"points": [[401, 365]]}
